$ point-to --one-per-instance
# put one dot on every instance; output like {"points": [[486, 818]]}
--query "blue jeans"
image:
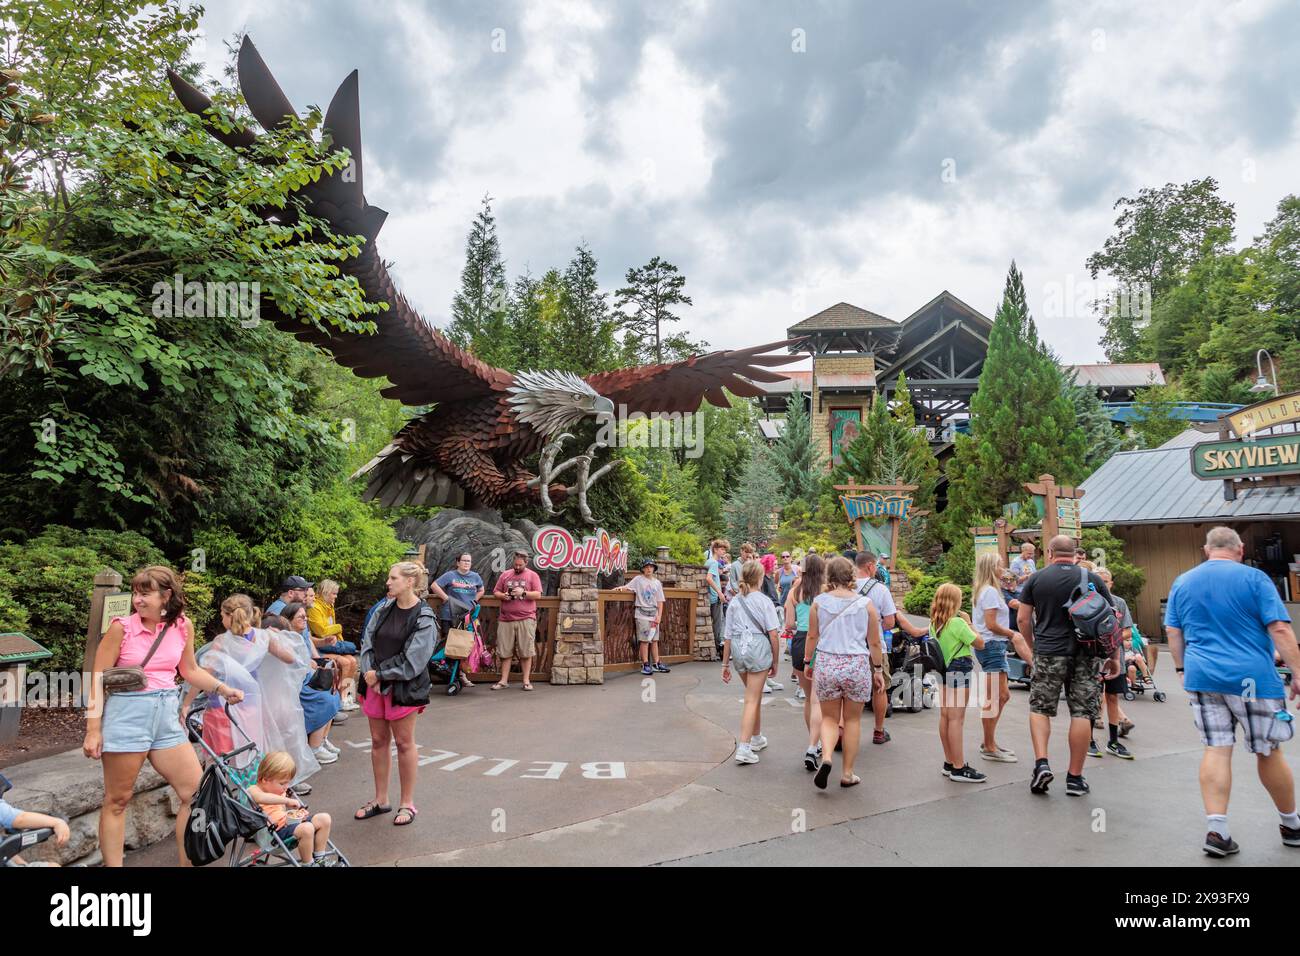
{"points": [[993, 659], [342, 647]]}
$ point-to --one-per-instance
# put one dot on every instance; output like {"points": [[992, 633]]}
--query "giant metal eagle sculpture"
{"points": [[470, 448]]}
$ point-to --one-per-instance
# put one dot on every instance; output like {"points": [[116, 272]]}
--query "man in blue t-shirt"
{"points": [[1225, 621]]}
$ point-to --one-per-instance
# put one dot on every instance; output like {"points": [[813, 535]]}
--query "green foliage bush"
{"points": [[51, 585], [1105, 549], [329, 534]]}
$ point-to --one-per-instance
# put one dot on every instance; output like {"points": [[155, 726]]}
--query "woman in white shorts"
{"points": [[750, 642], [846, 663]]}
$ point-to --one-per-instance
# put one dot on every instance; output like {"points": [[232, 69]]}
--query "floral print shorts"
{"points": [[843, 675]]}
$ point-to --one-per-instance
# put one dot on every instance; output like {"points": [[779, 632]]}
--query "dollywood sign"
{"points": [[554, 547]]}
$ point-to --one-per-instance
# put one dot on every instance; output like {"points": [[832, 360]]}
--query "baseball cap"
{"points": [[294, 583]]}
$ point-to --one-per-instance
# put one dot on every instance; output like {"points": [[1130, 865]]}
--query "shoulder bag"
{"points": [[125, 680]]}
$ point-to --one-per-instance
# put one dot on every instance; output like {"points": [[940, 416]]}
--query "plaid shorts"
{"points": [[1217, 715]]}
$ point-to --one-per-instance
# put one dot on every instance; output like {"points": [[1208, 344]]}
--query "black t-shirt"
{"points": [[390, 638], [1049, 592]]}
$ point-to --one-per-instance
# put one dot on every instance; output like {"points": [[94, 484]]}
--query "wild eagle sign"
{"points": [[869, 508]]}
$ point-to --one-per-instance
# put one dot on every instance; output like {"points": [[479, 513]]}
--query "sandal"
{"points": [[528, 687], [405, 816], [851, 782], [499, 686], [371, 809]]}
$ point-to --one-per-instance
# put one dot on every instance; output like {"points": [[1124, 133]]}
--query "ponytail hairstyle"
{"points": [[274, 622], [241, 612], [840, 573], [813, 580], [162, 579], [418, 574], [945, 606], [751, 576]]}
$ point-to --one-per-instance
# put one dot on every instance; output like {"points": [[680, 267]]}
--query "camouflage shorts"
{"points": [[1080, 675]]}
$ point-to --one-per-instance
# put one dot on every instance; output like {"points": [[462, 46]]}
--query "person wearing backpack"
{"points": [[869, 585], [951, 628], [1061, 659]]}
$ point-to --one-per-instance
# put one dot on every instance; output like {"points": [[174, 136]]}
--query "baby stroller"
{"points": [[1140, 682], [13, 842], [448, 670], [225, 816], [911, 688]]}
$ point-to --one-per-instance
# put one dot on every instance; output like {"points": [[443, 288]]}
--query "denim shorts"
{"points": [[143, 720], [960, 673], [993, 659]]}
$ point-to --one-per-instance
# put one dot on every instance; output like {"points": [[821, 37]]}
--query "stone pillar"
{"points": [[696, 576], [579, 646]]}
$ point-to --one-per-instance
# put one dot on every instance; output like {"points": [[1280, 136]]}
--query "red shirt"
{"points": [[523, 608]]}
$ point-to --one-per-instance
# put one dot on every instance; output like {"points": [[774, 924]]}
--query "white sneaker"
{"points": [[351, 704], [772, 684], [757, 742], [745, 754], [329, 745], [324, 755], [800, 695]]}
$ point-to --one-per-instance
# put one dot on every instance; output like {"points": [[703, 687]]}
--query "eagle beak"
{"points": [[602, 407]]}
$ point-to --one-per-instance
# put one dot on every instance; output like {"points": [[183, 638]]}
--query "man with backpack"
{"points": [[870, 586], [1070, 634]]}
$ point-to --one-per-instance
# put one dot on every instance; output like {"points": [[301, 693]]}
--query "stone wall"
{"points": [[579, 646], [677, 575], [847, 364], [70, 786]]}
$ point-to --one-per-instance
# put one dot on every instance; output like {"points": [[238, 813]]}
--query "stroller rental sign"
{"points": [[554, 547]]}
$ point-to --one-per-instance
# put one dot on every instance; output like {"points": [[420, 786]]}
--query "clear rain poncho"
{"points": [[271, 712]]}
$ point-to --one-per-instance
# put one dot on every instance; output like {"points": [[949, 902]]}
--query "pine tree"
{"points": [[647, 302], [1022, 423], [795, 456], [479, 310], [751, 507], [582, 338], [1102, 439]]}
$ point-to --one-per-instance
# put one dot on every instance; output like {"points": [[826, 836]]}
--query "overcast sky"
{"points": [[790, 155]]}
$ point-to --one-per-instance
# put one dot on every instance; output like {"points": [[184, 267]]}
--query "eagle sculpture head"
{"points": [[552, 401]]}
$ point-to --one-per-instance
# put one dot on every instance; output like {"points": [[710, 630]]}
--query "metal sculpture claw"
{"points": [[547, 470]]}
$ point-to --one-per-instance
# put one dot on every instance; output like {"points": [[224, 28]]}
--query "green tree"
{"points": [[582, 336], [479, 310], [1102, 439], [1022, 422], [797, 459], [1156, 412], [1158, 235], [647, 301], [752, 506]]}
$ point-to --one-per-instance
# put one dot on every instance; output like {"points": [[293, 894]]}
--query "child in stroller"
{"points": [[287, 813], [20, 829], [451, 670], [911, 688]]}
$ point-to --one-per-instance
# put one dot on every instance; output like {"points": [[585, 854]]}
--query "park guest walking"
{"points": [[798, 604], [751, 644], [956, 638], [128, 727], [396, 647]]}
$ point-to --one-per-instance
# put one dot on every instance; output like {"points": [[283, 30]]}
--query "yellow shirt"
{"points": [[320, 619]]}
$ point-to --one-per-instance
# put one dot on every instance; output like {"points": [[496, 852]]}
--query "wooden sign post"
{"points": [[895, 505], [1000, 534], [107, 601], [1060, 507]]}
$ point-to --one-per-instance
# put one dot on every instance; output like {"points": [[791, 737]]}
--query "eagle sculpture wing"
{"points": [[422, 365], [681, 386]]}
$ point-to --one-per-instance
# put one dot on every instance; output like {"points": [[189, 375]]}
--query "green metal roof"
{"points": [[19, 648]]}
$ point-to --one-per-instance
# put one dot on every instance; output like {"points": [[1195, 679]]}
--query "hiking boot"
{"points": [[1218, 846], [1076, 786]]}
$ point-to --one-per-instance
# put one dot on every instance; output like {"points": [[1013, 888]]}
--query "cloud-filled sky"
{"points": [[790, 154]]}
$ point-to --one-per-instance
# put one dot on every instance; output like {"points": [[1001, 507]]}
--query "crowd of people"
{"points": [[293, 675]]}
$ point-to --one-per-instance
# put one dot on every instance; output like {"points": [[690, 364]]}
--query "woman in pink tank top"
{"points": [[124, 729]]}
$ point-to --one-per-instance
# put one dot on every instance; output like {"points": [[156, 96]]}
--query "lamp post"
{"points": [[1262, 384]]}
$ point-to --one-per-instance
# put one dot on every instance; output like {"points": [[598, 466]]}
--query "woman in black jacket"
{"points": [[396, 647]]}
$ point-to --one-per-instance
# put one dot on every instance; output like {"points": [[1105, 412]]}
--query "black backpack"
{"points": [[215, 819], [1095, 624]]}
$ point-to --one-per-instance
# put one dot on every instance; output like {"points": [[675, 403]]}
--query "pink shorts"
{"points": [[843, 675], [381, 706]]}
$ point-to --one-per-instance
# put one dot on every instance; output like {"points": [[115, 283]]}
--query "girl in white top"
{"points": [[750, 640], [992, 621], [846, 661]]}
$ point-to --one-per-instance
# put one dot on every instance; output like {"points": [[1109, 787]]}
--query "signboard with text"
{"points": [[554, 547], [1271, 455], [1276, 411]]}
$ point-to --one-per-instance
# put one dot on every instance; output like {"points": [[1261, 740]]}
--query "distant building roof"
{"points": [[1156, 486], [771, 428], [840, 317], [847, 381], [1118, 374], [800, 377]]}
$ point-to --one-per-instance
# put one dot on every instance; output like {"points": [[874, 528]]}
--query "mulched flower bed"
{"points": [[43, 732]]}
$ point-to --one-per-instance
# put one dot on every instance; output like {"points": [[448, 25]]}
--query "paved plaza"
{"points": [[638, 771]]}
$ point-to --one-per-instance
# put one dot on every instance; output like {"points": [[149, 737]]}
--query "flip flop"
{"points": [[410, 816], [823, 774], [499, 686], [852, 782], [371, 809], [528, 687]]}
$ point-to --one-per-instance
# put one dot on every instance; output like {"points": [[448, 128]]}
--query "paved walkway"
{"points": [[639, 772]]}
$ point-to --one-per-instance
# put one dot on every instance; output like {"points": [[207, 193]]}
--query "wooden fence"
{"points": [[618, 633], [547, 615]]}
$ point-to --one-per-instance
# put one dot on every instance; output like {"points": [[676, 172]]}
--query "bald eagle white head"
{"points": [[551, 401]]}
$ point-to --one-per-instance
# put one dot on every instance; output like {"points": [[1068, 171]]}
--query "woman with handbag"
{"points": [[396, 647], [844, 642], [751, 643], [133, 710], [320, 701]]}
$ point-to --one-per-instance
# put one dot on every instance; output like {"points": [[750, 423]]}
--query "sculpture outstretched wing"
{"points": [[421, 363], [681, 386]]}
